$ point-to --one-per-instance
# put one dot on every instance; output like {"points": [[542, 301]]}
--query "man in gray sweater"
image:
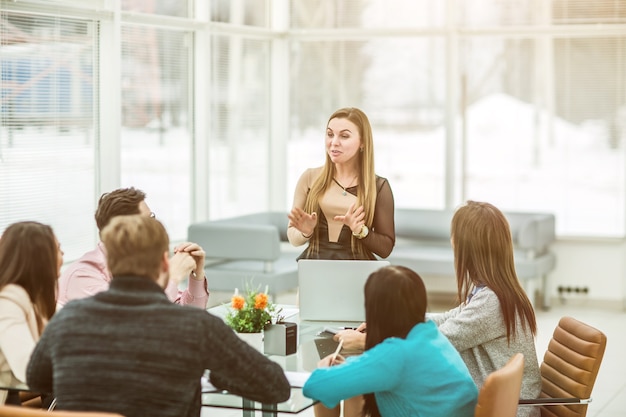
{"points": [[131, 351]]}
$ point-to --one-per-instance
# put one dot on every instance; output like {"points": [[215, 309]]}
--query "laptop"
{"points": [[332, 290]]}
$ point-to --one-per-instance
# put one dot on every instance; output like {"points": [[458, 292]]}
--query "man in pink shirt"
{"points": [[90, 274]]}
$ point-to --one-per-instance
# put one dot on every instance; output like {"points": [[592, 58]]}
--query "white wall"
{"points": [[594, 263], [598, 264]]}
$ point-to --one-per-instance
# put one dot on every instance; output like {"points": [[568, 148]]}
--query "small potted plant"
{"points": [[250, 314]]}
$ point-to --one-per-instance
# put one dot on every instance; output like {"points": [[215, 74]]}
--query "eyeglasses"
{"points": [[152, 215]]}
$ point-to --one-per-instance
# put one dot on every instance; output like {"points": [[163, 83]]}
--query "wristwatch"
{"points": [[363, 233]]}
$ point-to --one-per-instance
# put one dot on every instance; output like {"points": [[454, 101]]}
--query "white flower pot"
{"points": [[253, 339]]}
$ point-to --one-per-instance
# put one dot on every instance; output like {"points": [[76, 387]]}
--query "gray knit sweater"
{"points": [[130, 350], [478, 332]]}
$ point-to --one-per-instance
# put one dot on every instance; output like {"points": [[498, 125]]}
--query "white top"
{"points": [[18, 332]]}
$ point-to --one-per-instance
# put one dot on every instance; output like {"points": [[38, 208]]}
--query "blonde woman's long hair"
{"points": [[483, 255], [366, 188]]}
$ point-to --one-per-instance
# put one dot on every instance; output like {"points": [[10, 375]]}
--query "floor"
{"points": [[609, 393]]}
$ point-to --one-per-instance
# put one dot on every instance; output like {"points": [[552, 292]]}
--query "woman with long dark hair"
{"points": [[408, 367], [30, 264]]}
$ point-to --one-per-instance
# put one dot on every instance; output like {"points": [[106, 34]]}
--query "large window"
{"points": [[403, 98], [541, 130], [240, 126], [216, 108], [178, 8], [515, 102], [48, 130], [156, 135]]}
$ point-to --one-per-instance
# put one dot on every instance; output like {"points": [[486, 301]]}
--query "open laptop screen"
{"points": [[332, 290]]}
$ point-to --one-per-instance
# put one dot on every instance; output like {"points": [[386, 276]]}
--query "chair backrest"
{"points": [[570, 366], [499, 395], [16, 411]]}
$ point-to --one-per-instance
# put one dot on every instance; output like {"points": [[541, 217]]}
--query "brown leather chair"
{"points": [[569, 369], [500, 393], [16, 411]]}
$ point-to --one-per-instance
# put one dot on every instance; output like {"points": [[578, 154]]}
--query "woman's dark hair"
{"points": [[395, 301], [29, 258]]}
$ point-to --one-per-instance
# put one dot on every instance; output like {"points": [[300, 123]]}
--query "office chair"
{"points": [[499, 394], [16, 411], [569, 369]]}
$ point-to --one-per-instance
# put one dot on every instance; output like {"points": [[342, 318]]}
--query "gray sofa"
{"points": [[253, 249], [423, 244], [247, 250]]}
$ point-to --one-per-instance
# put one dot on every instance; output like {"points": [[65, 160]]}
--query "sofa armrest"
{"points": [[532, 232], [236, 241], [277, 219], [423, 224]]}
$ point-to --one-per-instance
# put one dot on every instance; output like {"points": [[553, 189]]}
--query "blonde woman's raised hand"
{"points": [[302, 220], [354, 218]]}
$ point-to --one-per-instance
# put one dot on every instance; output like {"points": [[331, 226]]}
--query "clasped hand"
{"points": [[188, 257]]}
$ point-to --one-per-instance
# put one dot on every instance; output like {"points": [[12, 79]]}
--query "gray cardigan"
{"points": [[131, 351], [478, 332]]}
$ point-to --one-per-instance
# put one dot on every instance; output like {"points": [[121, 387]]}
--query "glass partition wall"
{"points": [[215, 108]]}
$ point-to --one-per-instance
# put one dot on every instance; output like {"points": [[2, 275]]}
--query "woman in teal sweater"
{"points": [[408, 368]]}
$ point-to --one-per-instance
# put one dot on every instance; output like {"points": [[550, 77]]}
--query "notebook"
{"points": [[332, 290]]}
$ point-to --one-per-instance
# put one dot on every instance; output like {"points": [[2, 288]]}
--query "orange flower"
{"points": [[237, 302], [260, 301]]}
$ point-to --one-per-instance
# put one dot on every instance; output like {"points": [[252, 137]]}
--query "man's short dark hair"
{"points": [[123, 201]]}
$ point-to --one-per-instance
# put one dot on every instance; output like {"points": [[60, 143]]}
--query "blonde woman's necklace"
{"points": [[344, 192]]}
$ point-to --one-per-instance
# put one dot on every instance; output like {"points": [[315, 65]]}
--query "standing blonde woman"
{"points": [[343, 209], [30, 264], [495, 318]]}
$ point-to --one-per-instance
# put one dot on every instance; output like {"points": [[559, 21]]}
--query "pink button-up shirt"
{"points": [[90, 275]]}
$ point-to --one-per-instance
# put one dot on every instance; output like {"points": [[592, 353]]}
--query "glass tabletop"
{"points": [[9, 382], [296, 403], [303, 361]]}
